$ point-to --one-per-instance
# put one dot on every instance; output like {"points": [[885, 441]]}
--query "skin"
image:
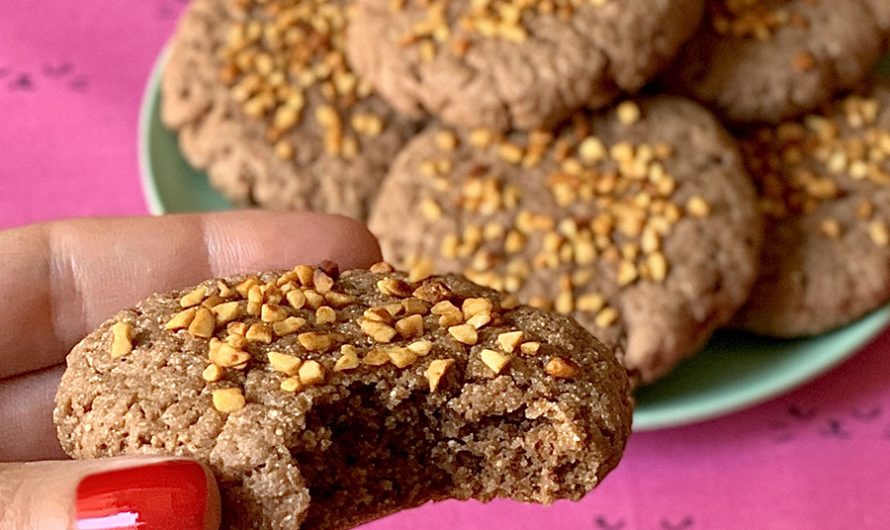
{"points": [[60, 280]]}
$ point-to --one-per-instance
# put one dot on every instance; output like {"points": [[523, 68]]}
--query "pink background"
{"points": [[71, 78]]}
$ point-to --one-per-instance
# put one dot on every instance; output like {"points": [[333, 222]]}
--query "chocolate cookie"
{"points": [[263, 100], [824, 183], [323, 401], [513, 64], [766, 60], [639, 221]]}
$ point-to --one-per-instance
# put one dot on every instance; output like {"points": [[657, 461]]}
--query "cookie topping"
{"points": [[800, 165], [752, 19], [228, 400], [280, 57], [436, 370], [122, 339], [304, 343], [561, 368]]}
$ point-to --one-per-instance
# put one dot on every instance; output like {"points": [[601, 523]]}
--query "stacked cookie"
{"points": [[509, 141]]}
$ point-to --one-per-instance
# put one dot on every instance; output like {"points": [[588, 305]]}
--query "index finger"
{"points": [[59, 280]]}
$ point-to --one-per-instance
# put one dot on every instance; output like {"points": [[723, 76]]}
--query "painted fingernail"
{"points": [[159, 496]]}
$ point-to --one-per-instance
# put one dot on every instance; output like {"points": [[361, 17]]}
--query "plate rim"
{"points": [[644, 420], [150, 98]]}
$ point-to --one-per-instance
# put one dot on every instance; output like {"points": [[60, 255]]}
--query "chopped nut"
{"points": [[193, 297], [291, 384], [228, 400], [414, 306], [475, 306], [203, 324], [244, 287], [224, 355], [879, 234], [495, 360], [296, 299], [590, 302], [272, 313], [445, 307], [212, 301], [284, 363], [325, 315], [224, 290], [311, 373], [122, 339], [212, 373], [420, 270], [259, 333], [394, 287], [306, 275], [378, 331], [698, 207], [313, 299], [509, 340], [323, 282], [606, 317], [530, 348], [376, 357], [236, 341], [480, 320], [378, 314], [831, 228], [627, 273], [464, 333], [401, 357], [509, 302], [338, 300], [657, 266], [381, 268], [628, 112], [288, 325], [410, 326], [182, 319], [420, 347], [237, 328], [316, 341], [436, 370], [226, 312], [432, 291], [562, 368], [348, 359]]}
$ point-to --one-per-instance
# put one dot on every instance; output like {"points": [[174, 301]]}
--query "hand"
{"points": [[58, 281]]}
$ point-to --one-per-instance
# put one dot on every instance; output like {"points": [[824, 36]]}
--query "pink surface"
{"points": [[71, 78]]}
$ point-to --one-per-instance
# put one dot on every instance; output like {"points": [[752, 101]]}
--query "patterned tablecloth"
{"points": [[71, 77]]}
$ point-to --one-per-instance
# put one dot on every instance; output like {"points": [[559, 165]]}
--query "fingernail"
{"points": [[161, 496]]}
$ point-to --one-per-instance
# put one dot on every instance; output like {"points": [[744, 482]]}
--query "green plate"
{"points": [[734, 371]]}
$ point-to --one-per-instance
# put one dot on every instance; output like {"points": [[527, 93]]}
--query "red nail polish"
{"points": [[163, 496]]}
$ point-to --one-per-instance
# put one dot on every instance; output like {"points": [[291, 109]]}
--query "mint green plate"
{"points": [[734, 371]]}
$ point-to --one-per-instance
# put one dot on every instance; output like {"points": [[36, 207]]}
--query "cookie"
{"points": [[513, 64], [824, 183], [262, 99], [329, 400], [763, 61], [638, 221], [881, 9]]}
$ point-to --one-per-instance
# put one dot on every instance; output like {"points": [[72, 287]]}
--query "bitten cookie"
{"points": [[514, 64], [639, 221], [763, 61], [322, 400], [824, 183], [262, 99]]}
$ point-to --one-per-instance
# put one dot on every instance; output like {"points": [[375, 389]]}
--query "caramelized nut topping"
{"points": [[284, 363], [436, 370], [181, 320], [228, 400], [122, 339], [495, 360], [561, 368]]}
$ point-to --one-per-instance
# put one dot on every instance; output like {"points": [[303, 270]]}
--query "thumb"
{"points": [[148, 493]]}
